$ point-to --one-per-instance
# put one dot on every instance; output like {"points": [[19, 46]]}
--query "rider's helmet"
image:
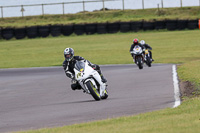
{"points": [[135, 41], [142, 42], [68, 54]]}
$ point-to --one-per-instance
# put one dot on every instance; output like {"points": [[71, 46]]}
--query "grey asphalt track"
{"points": [[33, 98]]}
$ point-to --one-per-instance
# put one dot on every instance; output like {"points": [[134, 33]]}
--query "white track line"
{"points": [[176, 87]]}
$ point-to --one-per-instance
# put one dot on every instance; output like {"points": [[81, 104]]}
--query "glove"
{"points": [[69, 74]]}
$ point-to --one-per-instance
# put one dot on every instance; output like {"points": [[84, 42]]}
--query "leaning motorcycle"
{"points": [[147, 58], [90, 80], [138, 56]]}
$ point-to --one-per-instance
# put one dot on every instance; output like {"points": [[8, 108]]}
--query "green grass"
{"points": [[183, 119], [107, 16], [168, 47]]}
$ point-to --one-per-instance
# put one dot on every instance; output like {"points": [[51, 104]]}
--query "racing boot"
{"points": [[103, 78]]}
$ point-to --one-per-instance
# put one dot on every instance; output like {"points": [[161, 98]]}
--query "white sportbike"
{"points": [[90, 80]]}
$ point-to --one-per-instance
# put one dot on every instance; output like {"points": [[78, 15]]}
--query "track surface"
{"points": [[35, 98]]}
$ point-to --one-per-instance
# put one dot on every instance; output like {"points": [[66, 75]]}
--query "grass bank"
{"points": [[107, 16]]}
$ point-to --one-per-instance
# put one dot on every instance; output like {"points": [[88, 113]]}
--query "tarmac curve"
{"points": [[33, 98]]}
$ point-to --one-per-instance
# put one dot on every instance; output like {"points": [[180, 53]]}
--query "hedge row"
{"points": [[99, 28]]}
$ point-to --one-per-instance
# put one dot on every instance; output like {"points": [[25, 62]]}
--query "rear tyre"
{"points": [[93, 91]]}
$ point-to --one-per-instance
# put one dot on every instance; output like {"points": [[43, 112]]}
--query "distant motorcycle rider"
{"points": [[69, 64], [135, 42], [147, 46]]}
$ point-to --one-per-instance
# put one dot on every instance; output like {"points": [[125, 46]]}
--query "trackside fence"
{"points": [[85, 5]]}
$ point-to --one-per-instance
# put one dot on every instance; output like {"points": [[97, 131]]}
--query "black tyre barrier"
{"points": [[113, 27], [192, 24], [43, 31], [20, 33], [125, 26], [79, 29], [182, 24], [171, 24], [32, 32], [67, 29], [90, 29], [0, 33], [148, 25], [55, 30], [102, 28], [7, 33], [160, 25], [136, 26]]}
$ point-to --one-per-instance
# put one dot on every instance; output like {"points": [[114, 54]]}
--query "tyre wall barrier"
{"points": [[171, 24], [79, 29], [32, 32], [125, 26], [55, 30], [0, 33], [148, 25], [192, 24], [7, 33], [67, 30], [182, 24], [99, 28], [90, 28], [43, 31], [20, 33], [136, 26], [102, 28], [113, 27], [160, 25]]}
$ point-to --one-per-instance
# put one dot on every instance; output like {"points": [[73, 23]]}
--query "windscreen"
{"points": [[80, 65]]}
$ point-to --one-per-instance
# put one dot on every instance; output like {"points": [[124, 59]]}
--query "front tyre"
{"points": [[93, 91], [105, 95], [148, 62], [140, 64]]}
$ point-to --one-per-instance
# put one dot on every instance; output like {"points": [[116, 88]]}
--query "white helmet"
{"points": [[142, 42]]}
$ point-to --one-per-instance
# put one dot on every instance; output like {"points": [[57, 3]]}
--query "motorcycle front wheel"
{"points": [[93, 91], [140, 64], [148, 62], [105, 95]]}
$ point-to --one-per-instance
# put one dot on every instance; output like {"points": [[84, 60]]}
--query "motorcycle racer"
{"points": [[69, 63], [147, 46], [135, 42]]}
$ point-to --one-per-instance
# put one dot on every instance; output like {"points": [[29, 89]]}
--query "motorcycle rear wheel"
{"points": [[93, 91]]}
